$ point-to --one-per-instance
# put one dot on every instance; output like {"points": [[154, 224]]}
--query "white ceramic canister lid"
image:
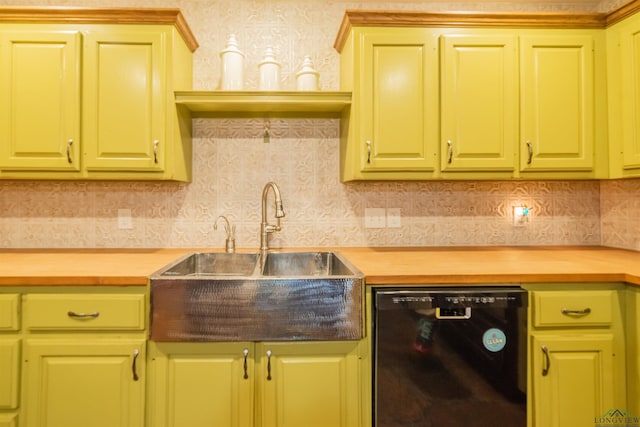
{"points": [[307, 77], [232, 58], [269, 71]]}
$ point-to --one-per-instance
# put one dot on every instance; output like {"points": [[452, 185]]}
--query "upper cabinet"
{"points": [[434, 99], [558, 83], [479, 102], [95, 99], [392, 123], [623, 51]]}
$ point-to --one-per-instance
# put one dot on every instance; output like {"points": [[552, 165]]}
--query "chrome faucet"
{"points": [[265, 227], [230, 242]]}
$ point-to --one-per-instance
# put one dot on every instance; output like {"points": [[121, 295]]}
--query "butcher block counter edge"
{"points": [[381, 265]]}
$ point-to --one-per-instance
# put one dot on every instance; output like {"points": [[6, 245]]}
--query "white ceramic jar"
{"points": [[232, 77], [269, 71], [307, 77]]}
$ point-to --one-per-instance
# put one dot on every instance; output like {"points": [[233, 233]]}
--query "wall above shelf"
{"points": [[261, 103]]}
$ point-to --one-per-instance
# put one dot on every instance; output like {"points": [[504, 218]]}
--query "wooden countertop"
{"points": [[381, 266]]}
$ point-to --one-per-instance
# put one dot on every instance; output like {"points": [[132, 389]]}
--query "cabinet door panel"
{"points": [[630, 43], [9, 372], [40, 102], [311, 385], [579, 386], [83, 382], [398, 96], [479, 102], [202, 385], [557, 103], [124, 101]]}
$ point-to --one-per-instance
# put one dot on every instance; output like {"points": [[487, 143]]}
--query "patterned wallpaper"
{"points": [[231, 164]]}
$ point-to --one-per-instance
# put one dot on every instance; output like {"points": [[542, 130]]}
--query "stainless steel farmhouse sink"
{"points": [[275, 296]]}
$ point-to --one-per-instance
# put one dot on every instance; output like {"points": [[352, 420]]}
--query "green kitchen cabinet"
{"points": [[479, 102], [83, 359], [245, 384], [391, 130], [79, 382], [632, 324], [558, 103], [577, 353], [10, 351], [94, 101], [623, 56], [40, 106]]}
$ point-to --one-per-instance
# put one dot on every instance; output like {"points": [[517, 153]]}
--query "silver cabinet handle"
{"points": [[530, 151], [450, 151], [69, 144], [547, 359], [246, 354], [268, 365], [582, 312], [133, 364], [368, 151], [155, 151], [83, 315]]}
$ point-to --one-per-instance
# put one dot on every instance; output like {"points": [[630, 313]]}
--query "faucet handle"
{"points": [[230, 242]]}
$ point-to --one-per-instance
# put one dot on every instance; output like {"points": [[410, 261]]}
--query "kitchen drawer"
{"points": [[9, 314], [84, 312], [573, 308]]}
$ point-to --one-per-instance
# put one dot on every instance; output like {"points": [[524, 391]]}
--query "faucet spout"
{"points": [[265, 227]]}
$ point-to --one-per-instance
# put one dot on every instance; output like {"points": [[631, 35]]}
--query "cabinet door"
{"points": [[630, 45], [9, 372], [40, 102], [84, 382], [557, 105], [124, 99], [399, 101], [309, 384], [579, 385], [479, 110], [201, 385], [8, 420]]}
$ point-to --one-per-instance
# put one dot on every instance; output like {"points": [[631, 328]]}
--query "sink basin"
{"points": [[316, 264], [213, 264], [286, 296]]}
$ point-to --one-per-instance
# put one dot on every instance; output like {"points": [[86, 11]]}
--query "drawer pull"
{"points": [[547, 359], [582, 312], [83, 315], [133, 365]]}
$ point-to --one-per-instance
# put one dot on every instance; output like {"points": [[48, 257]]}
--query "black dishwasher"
{"points": [[450, 357]]}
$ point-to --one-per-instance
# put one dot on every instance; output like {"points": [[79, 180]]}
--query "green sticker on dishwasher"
{"points": [[494, 339]]}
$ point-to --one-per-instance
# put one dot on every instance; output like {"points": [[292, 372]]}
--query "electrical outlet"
{"points": [[521, 216], [375, 218], [393, 218], [124, 219]]}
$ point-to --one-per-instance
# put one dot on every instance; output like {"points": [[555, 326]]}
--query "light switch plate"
{"points": [[124, 219], [393, 218], [375, 218]]}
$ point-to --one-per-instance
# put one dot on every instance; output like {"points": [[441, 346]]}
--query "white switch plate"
{"points": [[375, 218], [124, 219], [393, 218]]}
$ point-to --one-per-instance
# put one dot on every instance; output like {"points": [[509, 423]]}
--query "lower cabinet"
{"points": [[577, 354], [83, 357], [84, 382], [10, 346], [283, 384]]}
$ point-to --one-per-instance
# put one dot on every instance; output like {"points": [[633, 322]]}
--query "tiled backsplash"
{"points": [[232, 164]]}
